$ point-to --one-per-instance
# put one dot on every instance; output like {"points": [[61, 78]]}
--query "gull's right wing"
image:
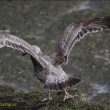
{"points": [[8, 40]]}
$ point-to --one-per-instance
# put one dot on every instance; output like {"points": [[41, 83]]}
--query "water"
{"points": [[104, 55], [98, 89]]}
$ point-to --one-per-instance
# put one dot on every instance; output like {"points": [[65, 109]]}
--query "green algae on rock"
{"points": [[33, 100]]}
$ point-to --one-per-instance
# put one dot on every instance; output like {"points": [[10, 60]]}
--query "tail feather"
{"points": [[106, 21], [61, 85]]}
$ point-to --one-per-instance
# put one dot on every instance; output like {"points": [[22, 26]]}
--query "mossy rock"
{"points": [[32, 100]]}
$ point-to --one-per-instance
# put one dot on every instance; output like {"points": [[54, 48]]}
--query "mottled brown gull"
{"points": [[48, 69]]}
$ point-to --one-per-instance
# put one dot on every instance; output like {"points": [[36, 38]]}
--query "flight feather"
{"points": [[73, 33]]}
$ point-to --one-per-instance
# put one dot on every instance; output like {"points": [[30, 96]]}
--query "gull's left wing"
{"points": [[75, 32]]}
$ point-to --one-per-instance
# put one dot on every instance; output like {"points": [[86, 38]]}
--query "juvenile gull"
{"points": [[48, 69]]}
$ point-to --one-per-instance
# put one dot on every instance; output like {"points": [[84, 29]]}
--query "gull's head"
{"points": [[37, 49]]}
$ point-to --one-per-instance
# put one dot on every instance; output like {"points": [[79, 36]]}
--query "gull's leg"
{"points": [[49, 97], [67, 95]]}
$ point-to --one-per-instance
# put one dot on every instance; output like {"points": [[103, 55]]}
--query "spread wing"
{"points": [[75, 32], [8, 40], [38, 70]]}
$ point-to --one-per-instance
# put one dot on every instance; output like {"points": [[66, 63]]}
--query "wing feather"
{"points": [[74, 33], [8, 40], [38, 70]]}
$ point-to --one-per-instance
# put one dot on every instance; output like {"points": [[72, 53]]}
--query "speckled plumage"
{"points": [[49, 69]]}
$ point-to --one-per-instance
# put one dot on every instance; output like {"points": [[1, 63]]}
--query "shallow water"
{"points": [[97, 90]]}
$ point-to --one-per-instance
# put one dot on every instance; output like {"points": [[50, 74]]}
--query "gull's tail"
{"points": [[58, 83]]}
